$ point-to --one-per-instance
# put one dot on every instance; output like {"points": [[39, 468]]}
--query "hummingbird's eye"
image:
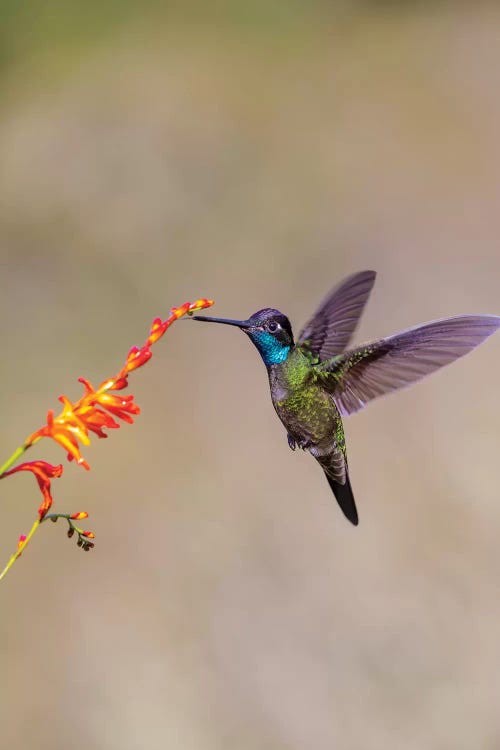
{"points": [[272, 326]]}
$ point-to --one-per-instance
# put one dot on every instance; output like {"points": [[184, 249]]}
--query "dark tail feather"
{"points": [[345, 498]]}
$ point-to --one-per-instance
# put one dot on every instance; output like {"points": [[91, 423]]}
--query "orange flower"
{"points": [[43, 473], [136, 358]]}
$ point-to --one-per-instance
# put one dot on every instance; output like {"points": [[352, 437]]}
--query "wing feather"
{"points": [[332, 325], [372, 370]]}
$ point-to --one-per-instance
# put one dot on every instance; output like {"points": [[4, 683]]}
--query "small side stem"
{"points": [[84, 537]]}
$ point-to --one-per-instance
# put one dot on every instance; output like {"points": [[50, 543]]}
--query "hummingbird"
{"points": [[316, 381]]}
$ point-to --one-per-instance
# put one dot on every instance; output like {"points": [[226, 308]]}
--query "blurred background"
{"points": [[254, 152]]}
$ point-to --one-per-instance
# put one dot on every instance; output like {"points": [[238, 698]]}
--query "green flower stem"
{"points": [[84, 542], [20, 548], [12, 459], [54, 516]]}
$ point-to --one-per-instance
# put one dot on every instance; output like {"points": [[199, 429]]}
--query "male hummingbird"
{"points": [[315, 382]]}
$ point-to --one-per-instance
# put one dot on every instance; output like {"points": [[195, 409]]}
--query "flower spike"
{"points": [[95, 412]]}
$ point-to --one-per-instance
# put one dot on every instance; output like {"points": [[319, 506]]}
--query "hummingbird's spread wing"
{"points": [[332, 325], [383, 366]]}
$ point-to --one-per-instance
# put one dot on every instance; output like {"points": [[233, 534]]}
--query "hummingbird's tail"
{"points": [[345, 498]]}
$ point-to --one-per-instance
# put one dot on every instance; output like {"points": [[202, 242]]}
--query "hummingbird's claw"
{"points": [[304, 444]]}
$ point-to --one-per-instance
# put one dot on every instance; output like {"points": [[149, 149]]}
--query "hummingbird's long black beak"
{"points": [[226, 321]]}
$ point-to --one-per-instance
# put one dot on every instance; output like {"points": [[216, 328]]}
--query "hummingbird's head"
{"points": [[269, 330]]}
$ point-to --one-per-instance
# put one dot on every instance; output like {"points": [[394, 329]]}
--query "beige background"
{"points": [[255, 153]]}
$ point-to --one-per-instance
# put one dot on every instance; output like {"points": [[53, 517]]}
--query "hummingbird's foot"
{"points": [[304, 444]]}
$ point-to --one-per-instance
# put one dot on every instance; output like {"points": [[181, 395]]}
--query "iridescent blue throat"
{"points": [[272, 351]]}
